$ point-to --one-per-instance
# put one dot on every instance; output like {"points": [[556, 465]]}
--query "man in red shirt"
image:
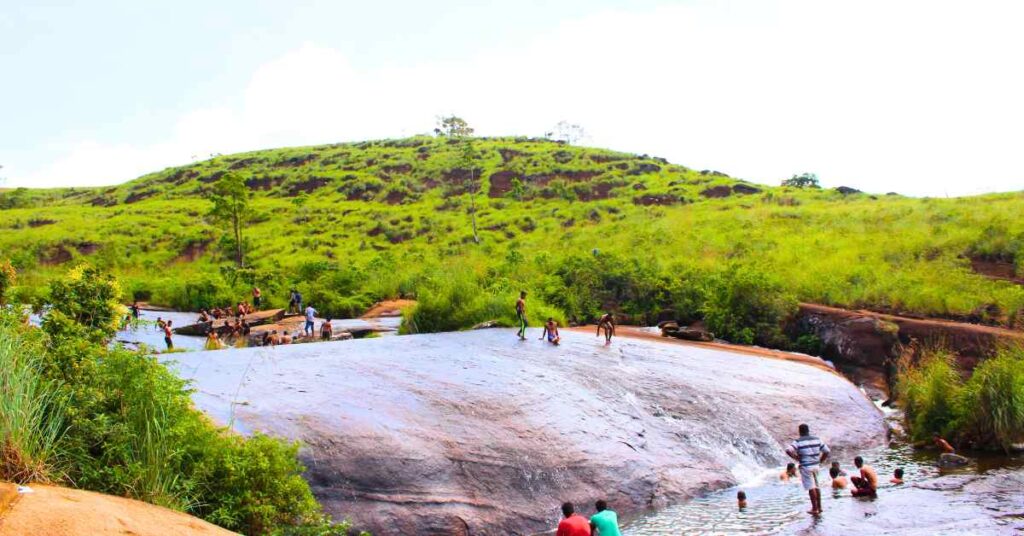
{"points": [[573, 524]]}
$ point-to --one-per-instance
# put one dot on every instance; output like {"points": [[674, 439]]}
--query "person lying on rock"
{"points": [[572, 524], [204, 316], [606, 322], [605, 522], [865, 485], [810, 452], [838, 480], [551, 331], [897, 476], [789, 473]]}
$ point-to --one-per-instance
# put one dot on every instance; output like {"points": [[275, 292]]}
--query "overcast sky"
{"points": [[919, 97]]}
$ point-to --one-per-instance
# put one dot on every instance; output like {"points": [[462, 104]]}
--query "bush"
{"points": [[7, 279], [991, 405], [745, 306], [125, 424], [31, 414], [929, 391]]}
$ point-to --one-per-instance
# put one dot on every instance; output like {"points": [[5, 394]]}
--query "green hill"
{"points": [[583, 229]]}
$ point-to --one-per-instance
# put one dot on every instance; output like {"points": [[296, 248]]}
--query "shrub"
{"points": [[7, 279], [928, 391], [991, 405], [744, 305], [31, 414]]}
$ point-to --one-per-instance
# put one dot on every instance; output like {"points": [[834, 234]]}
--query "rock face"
{"points": [[479, 433]]}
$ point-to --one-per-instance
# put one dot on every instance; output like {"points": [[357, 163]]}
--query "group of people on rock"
{"points": [[605, 324], [238, 312]]}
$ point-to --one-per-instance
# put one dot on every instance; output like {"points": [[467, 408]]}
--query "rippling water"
{"points": [[776, 507]]}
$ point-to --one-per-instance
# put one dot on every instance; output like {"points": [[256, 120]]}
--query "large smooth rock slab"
{"points": [[477, 432]]}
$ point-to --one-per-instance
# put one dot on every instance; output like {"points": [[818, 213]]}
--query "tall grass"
{"points": [[31, 413], [992, 403], [986, 410]]}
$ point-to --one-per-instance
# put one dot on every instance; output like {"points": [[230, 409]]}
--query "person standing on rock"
{"points": [[326, 330], [572, 524], [606, 322], [309, 331], [810, 452], [257, 298], [521, 315], [605, 522]]}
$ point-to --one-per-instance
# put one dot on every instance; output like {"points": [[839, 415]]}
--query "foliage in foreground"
{"points": [[102, 418], [986, 410]]}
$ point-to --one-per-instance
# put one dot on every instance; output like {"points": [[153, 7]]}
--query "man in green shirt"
{"points": [[604, 522]]}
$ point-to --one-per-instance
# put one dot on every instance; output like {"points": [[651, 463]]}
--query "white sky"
{"points": [[923, 98]]}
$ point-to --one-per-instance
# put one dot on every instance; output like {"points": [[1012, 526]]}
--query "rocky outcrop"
{"points": [[699, 333], [480, 433], [865, 344]]}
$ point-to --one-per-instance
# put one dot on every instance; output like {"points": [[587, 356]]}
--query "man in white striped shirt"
{"points": [[810, 452]]}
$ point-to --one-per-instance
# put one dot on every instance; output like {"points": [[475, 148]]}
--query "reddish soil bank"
{"points": [[1001, 270], [388, 308], [54, 511]]}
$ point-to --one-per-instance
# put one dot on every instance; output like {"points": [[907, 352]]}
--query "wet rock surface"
{"points": [[479, 433]]}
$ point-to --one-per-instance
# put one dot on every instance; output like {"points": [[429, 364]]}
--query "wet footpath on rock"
{"points": [[479, 433]]}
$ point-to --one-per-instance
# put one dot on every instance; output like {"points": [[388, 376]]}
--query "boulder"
{"points": [[478, 433]]}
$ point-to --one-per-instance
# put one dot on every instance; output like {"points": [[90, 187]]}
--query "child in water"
{"points": [[897, 476], [789, 473], [551, 331], [741, 499]]}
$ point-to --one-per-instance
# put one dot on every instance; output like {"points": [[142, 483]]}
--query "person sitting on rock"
{"points": [[246, 328], [838, 479], [865, 485], [204, 316], [943, 445], [551, 332], [572, 524], [286, 338], [897, 476], [605, 522], [326, 330], [275, 339], [789, 473], [741, 499], [213, 341], [606, 322]]}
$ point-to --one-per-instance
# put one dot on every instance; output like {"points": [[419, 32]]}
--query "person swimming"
{"points": [[789, 473], [839, 480], [897, 476]]}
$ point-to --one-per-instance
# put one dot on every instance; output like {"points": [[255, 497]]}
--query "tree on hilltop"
{"points": [[803, 180], [231, 205], [453, 126]]}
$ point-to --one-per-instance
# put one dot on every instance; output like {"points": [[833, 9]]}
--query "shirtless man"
{"points": [[606, 322], [943, 445], [789, 473], [897, 476], [551, 332], [257, 298], [838, 480], [326, 330], [865, 485], [521, 315], [167, 334]]}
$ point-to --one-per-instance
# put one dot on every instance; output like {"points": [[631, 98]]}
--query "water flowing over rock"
{"points": [[479, 433]]}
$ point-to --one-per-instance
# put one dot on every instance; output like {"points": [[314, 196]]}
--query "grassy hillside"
{"points": [[582, 229]]}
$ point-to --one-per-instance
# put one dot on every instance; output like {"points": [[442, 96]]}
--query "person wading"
{"points": [[605, 522], [810, 452]]}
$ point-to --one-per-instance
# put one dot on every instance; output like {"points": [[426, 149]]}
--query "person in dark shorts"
{"points": [[326, 330], [551, 332], [521, 315], [167, 334], [865, 485], [257, 298]]}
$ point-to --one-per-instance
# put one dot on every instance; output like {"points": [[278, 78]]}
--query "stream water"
{"points": [[985, 497]]}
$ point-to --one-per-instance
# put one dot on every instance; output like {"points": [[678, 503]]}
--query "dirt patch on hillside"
{"points": [[501, 183], [212, 177], [509, 154], [262, 183], [192, 251], [745, 189], [54, 255], [388, 308], [992, 269], [395, 197], [40, 222], [296, 161], [396, 168], [135, 197], [309, 185], [87, 248], [243, 163], [717, 192], [54, 511], [656, 199]]}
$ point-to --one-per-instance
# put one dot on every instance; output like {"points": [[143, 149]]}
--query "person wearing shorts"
{"points": [[809, 452], [521, 315]]}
